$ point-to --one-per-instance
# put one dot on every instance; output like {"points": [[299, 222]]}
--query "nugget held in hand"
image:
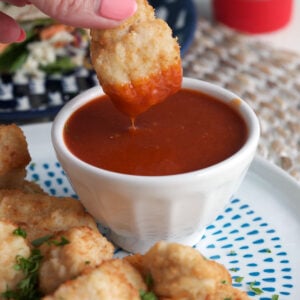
{"points": [[138, 63]]}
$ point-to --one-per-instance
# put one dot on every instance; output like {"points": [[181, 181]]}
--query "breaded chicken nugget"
{"points": [[181, 272], [138, 63], [112, 280], [14, 156], [68, 253], [12, 246], [41, 214]]}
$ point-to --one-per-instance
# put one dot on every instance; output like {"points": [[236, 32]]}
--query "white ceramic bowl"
{"points": [[141, 210]]}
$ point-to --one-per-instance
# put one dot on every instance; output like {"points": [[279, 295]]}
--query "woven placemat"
{"points": [[266, 77]]}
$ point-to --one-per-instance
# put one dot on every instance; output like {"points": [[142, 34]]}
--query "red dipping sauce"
{"points": [[187, 132]]}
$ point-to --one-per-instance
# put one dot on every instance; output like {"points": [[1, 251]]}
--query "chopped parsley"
{"points": [[63, 241], [254, 289], [267, 250], [147, 295], [233, 269], [238, 279], [275, 297], [149, 281], [40, 241], [27, 288], [20, 232], [47, 238]]}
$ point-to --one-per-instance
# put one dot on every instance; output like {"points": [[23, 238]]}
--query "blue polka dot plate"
{"points": [[256, 236]]}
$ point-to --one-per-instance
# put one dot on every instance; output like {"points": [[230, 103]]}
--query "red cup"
{"points": [[253, 16]]}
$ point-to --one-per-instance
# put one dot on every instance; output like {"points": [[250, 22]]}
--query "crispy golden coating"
{"points": [[181, 272], [138, 63], [11, 246], [31, 187], [83, 248], [112, 280], [14, 156], [41, 214]]}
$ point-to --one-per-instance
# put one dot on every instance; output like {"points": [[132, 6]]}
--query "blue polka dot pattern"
{"points": [[238, 238], [51, 178], [249, 248]]}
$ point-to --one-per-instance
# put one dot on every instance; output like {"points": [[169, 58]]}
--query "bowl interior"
{"points": [[224, 95]]}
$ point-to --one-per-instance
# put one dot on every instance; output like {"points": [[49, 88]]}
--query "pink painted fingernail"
{"points": [[22, 36], [117, 9]]}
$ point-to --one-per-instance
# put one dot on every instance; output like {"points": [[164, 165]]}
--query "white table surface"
{"points": [[285, 38]]}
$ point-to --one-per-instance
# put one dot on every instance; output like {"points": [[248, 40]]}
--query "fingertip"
{"points": [[9, 29], [117, 9], [22, 36]]}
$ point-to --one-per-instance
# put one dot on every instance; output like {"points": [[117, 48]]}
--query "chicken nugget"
{"points": [[181, 272], [12, 246], [138, 64], [14, 156], [112, 280], [41, 214], [68, 253]]}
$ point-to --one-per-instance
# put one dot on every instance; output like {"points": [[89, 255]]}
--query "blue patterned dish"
{"points": [[256, 237], [43, 98]]}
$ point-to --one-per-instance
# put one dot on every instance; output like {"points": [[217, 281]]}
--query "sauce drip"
{"points": [[187, 132]]}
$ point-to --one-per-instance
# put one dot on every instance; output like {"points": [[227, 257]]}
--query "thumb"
{"points": [[98, 14], [10, 31]]}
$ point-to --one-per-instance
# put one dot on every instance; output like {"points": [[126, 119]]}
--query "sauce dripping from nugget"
{"points": [[138, 63]]}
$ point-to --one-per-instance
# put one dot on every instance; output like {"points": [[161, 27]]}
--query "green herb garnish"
{"points": [[149, 281], [224, 281], [27, 288], [20, 232], [275, 297], [238, 279], [40, 241], [254, 289], [63, 241], [147, 295]]}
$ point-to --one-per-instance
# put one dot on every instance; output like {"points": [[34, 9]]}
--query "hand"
{"points": [[99, 14]]}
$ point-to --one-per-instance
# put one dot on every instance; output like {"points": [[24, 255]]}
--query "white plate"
{"points": [[257, 236]]}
